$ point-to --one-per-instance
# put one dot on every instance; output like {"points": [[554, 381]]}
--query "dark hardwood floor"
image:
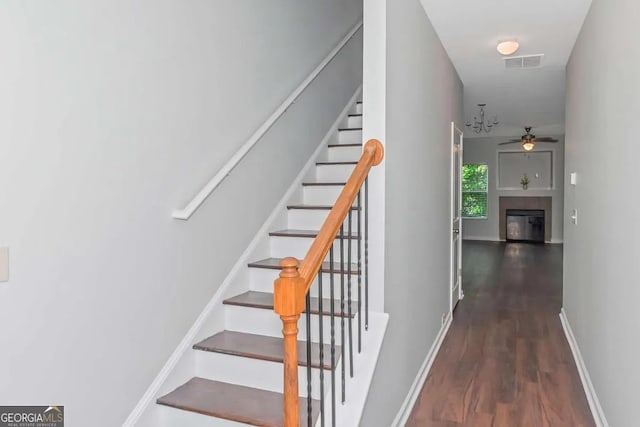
{"points": [[505, 361]]}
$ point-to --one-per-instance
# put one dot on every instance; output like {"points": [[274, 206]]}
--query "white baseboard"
{"points": [[494, 239], [481, 238], [592, 397], [216, 301], [416, 387]]}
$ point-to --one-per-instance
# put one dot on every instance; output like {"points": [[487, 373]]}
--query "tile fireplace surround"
{"points": [[542, 203]]}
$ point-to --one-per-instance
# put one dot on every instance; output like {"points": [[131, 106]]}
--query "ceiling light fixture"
{"points": [[528, 139], [479, 124], [527, 144], [508, 47]]}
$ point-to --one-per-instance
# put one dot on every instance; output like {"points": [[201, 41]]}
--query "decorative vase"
{"points": [[524, 186]]}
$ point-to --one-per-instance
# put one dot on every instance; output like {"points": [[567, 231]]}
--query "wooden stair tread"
{"points": [[263, 348], [345, 145], [310, 233], [335, 163], [274, 264], [264, 300], [321, 184], [316, 207], [233, 402]]}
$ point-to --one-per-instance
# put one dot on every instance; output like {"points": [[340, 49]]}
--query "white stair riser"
{"points": [[267, 322], [262, 281], [249, 372], [312, 219], [359, 108], [321, 194], [172, 417], [344, 154], [350, 136], [354, 122], [333, 173], [282, 247]]}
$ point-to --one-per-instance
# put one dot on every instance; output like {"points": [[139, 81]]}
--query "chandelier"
{"points": [[479, 124]]}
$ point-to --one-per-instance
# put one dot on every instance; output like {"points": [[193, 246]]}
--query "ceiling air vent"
{"points": [[527, 61]]}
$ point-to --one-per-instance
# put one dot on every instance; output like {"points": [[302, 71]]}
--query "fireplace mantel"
{"points": [[542, 203]]}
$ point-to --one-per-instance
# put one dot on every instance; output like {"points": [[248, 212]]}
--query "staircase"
{"points": [[239, 371]]}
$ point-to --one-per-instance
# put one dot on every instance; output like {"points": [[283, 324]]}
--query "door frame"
{"points": [[457, 137]]}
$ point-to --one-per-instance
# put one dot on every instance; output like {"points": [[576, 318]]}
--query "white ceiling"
{"points": [[470, 31]]}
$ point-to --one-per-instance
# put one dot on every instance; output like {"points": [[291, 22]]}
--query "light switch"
{"points": [[573, 178], [4, 264], [574, 216]]}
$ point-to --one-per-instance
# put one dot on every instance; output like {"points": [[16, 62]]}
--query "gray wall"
{"points": [[112, 115], [601, 291], [484, 150], [424, 94]]}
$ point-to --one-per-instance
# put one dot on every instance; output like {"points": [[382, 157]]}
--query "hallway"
{"points": [[505, 361]]}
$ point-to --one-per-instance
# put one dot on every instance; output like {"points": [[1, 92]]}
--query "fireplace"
{"points": [[525, 225], [525, 203]]}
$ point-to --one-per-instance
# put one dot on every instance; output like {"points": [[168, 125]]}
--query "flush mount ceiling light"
{"points": [[508, 47]]}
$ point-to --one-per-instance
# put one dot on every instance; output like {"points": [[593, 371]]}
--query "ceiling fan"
{"points": [[529, 140]]}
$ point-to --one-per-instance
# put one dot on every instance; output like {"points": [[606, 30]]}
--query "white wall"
{"points": [[601, 267], [423, 96], [485, 150], [112, 115]]}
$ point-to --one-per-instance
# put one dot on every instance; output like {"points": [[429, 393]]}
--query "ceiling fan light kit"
{"points": [[479, 124], [508, 47], [529, 140], [528, 145]]}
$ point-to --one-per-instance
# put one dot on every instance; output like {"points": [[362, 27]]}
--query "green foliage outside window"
{"points": [[474, 190]]}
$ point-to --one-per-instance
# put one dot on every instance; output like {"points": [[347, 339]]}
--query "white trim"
{"points": [[216, 300], [495, 239], [187, 211], [455, 277], [482, 238], [416, 387], [589, 390], [476, 217], [350, 414]]}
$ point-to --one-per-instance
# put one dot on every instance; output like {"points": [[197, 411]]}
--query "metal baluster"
{"points": [[308, 317], [349, 242], [343, 368], [359, 207], [366, 254], [320, 311], [333, 342]]}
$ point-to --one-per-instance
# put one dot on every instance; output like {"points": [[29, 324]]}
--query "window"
{"points": [[474, 190]]}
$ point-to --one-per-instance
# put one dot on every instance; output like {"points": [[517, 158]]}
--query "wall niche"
{"points": [[537, 165]]}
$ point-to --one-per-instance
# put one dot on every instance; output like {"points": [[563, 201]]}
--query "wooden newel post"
{"points": [[288, 302]]}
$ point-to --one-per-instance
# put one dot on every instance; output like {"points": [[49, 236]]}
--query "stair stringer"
{"points": [[181, 365]]}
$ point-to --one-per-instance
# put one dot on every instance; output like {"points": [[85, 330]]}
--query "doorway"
{"points": [[457, 137]]}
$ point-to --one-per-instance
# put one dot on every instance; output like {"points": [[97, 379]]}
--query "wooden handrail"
{"points": [[371, 156], [291, 288]]}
